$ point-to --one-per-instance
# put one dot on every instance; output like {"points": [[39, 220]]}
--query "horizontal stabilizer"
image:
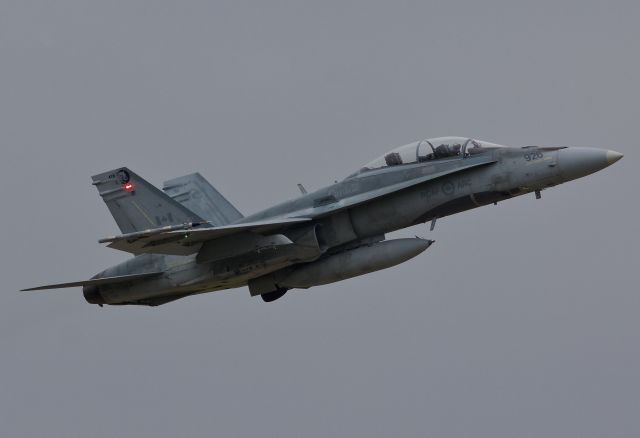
{"points": [[98, 281], [188, 241]]}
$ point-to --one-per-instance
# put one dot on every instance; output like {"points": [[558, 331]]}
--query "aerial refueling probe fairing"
{"points": [[188, 239]]}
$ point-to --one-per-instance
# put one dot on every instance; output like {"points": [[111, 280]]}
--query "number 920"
{"points": [[533, 156]]}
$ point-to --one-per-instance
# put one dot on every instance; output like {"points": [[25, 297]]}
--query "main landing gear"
{"points": [[272, 296]]}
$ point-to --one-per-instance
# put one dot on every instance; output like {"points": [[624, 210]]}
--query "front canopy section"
{"points": [[428, 150]]}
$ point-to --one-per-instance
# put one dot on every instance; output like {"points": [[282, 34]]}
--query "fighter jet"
{"points": [[188, 239]]}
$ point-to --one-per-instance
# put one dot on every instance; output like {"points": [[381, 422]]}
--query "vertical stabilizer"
{"points": [[137, 205], [198, 195]]}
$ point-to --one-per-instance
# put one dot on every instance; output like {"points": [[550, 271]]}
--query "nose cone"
{"points": [[576, 162], [613, 156]]}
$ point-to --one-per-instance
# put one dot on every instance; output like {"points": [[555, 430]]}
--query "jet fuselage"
{"points": [[355, 213]]}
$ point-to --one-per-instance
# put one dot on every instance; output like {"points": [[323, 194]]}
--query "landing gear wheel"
{"points": [[272, 296]]}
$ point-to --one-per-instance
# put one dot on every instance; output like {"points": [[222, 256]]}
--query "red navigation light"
{"points": [[128, 187]]}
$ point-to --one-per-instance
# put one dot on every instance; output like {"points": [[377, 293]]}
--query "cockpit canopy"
{"points": [[430, 149]]}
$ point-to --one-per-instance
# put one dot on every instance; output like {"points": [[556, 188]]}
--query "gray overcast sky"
{"points": [[521, 321]]}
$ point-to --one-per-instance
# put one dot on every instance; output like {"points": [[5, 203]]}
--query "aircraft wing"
{"points": [[97, 281], [169, 240]]}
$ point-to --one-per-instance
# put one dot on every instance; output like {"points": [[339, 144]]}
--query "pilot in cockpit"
{"points": [[445, 150]]}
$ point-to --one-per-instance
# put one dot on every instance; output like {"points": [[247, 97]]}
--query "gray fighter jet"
{"points": [[188, 239]]}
